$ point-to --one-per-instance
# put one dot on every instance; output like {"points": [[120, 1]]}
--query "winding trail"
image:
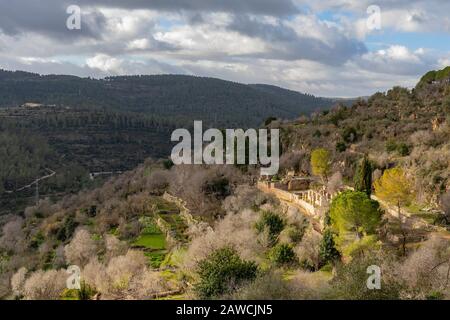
{"points": [[51, 174]]}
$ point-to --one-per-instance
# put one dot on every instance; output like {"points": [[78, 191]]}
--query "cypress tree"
{"points": [[363, 176]]}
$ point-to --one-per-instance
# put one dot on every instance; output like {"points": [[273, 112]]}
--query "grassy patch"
{"points": [[155, 241]]}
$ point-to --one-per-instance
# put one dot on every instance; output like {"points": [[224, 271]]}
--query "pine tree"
{"points": [[363, 176], [327, 251], [355, 218]]}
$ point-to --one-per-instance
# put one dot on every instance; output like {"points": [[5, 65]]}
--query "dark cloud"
{"points": [[289, 45], [47, 17], [265, 7]]}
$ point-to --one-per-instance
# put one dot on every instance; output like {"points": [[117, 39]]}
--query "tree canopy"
{"points": [[355, 218], [395, 187], [321, 163]]}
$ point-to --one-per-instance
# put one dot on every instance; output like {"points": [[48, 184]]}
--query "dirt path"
{"points": [[52, 173]]}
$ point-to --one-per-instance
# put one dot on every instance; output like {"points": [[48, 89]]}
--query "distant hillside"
{"points": [[177, 97]]}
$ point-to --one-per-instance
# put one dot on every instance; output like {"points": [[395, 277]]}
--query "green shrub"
{"points": [[67, 229], [327, 251], [391, 146], [403, 149], [222, 272], [341, 147], [317, 134], [273, 223], [37, 240], [282, 254], [349, 135]]}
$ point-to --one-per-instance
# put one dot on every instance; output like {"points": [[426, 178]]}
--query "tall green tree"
{"points": [[327, 250], [363, 176], [355, 218]]}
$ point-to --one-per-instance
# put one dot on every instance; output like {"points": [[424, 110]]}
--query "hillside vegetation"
{"points": [[162, 231], [88, 125]]}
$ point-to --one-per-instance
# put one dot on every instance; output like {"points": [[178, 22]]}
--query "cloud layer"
{"points": [[320, 47]]}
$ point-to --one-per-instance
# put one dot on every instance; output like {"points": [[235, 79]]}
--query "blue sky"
{"points": [[321, 47]]}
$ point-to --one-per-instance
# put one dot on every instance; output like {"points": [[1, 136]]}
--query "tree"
{"points": [[282, 254], [327, 251], [13, 238], [18, 282], [395, 188], [321, 163], [81, 249], [222, 272], [335, 183], [355, 217], [271, 222], [363, 176], [45, 285]]}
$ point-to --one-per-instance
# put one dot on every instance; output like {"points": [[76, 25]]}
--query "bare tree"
{"points": [[13, 238], [18, 281], [335, 183], [81, 249], [45, 285]]}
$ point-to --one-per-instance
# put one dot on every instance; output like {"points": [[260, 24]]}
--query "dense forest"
{"points": [[179, 98]]}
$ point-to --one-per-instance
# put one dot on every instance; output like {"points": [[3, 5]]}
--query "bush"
{"points": [[273, 223], [269, 286], [350, 283], [341, 147], [219, 188], [349, 135], [328, 252], [67, 229], [391, 146], [222, 272], [403, 149], [282, 254]]}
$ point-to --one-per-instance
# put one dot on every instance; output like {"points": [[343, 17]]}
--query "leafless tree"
{"points": [[81, 249]]}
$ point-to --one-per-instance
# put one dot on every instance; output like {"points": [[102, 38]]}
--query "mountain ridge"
{"points": [[191, 97]]}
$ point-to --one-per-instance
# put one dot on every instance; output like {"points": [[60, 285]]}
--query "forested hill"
{"points": [[181, 98]]}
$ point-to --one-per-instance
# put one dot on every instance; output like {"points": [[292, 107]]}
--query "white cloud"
{"points": [[208, 40], [139, 44], [105, 63]]}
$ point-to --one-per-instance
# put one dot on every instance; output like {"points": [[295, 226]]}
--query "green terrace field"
{"points": [[153, 240]]}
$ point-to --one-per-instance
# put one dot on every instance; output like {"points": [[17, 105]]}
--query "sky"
{"points": [[333, 48]]}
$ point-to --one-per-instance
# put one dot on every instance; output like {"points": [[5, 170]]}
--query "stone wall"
{"points": [[302, 199]]}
